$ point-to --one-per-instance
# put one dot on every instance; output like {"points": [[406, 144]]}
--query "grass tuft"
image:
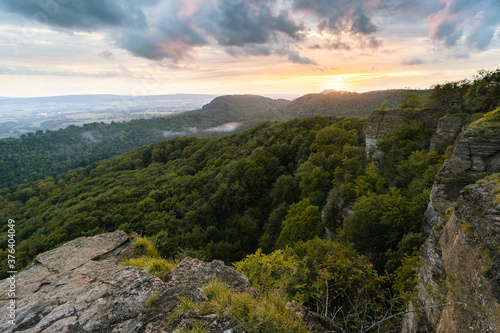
{"points": [[147, 258]]}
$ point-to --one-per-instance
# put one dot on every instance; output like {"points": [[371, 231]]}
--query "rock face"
{"points": [[460, 267], [447, 130], [83, 287], [476, 155], [380, 123]]}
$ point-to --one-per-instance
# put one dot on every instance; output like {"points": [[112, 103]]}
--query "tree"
{"points": [[303, 222], [449, 96], [412, 99], [483, 94], [378, 222]]}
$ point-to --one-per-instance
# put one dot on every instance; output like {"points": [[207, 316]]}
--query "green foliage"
{"points": [[142, 246], [492, 115], [302, 222], [197, 328], [340, 103], [383, 106], [412, 99], [145, 255], [269, 272], [265, 313], [378, 222], [449, 96], [405, 277], [483, 94]]}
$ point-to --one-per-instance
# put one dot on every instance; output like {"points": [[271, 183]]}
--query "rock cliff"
{"points": [[459, 262], [83, 286], [460, 267], [380, 123], [476, 155]]}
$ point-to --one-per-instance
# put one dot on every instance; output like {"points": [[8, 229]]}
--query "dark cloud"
{"points": [[460, 56], [362, 24], [412, 62], [447, 32], [239, 23], [338, 46], [88, 15], [252, 50], [340, 15], [295, 57]]}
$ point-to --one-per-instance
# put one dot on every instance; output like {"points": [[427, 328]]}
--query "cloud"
{"points": [[338, 46], [471, 23], [252, 50], [228, 127], [88, 15], [41, 72], [296, 58], [460, 56], [107, 55], [341, 16], [176, 29], [413, 62], [240, 23]]}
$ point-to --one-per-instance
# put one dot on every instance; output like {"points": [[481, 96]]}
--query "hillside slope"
{"points": [[37, 155]]}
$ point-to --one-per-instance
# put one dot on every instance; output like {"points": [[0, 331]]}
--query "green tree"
{"points": [[302, 222]]}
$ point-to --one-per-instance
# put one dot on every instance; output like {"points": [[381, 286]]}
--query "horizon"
{"points": [[227, 47], [268, 95]]}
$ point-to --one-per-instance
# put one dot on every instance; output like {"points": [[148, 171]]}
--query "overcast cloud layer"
{"points": [[174, 29]]}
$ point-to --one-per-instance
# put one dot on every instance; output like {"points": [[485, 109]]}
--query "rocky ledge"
{"points": [[83, 286]]}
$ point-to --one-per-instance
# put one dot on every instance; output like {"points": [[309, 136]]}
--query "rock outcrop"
{"points": [[460, 267], [83, 286], [476, 155], [459, 261], [380, 123]]}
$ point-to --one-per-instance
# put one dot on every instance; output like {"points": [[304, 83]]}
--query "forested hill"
{"points": [[224, 197], [341, 103], [37, 155], [277, 186]]}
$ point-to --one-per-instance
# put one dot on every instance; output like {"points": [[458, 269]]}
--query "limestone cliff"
{"points": [[460, 260], [380, 123], [460, 267], [476, 155], [83, 286]]}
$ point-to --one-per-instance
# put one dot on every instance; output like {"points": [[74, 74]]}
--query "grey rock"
{"points": [[83, 286], [460, 267]]}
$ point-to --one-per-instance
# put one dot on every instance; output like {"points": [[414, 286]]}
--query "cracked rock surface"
{"points": [[83, 287]]}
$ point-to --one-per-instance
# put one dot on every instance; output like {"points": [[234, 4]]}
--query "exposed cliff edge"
{"points": [[460, 266], [476, 155], [83, 286]]}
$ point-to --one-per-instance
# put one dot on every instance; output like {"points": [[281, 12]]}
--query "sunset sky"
{"points": [[148, 47]]}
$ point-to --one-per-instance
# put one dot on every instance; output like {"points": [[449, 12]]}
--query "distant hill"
{"points": [[340, 103], [37, 155]]}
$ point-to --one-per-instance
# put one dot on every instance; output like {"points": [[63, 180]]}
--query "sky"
{"points": [[293, 47]]}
